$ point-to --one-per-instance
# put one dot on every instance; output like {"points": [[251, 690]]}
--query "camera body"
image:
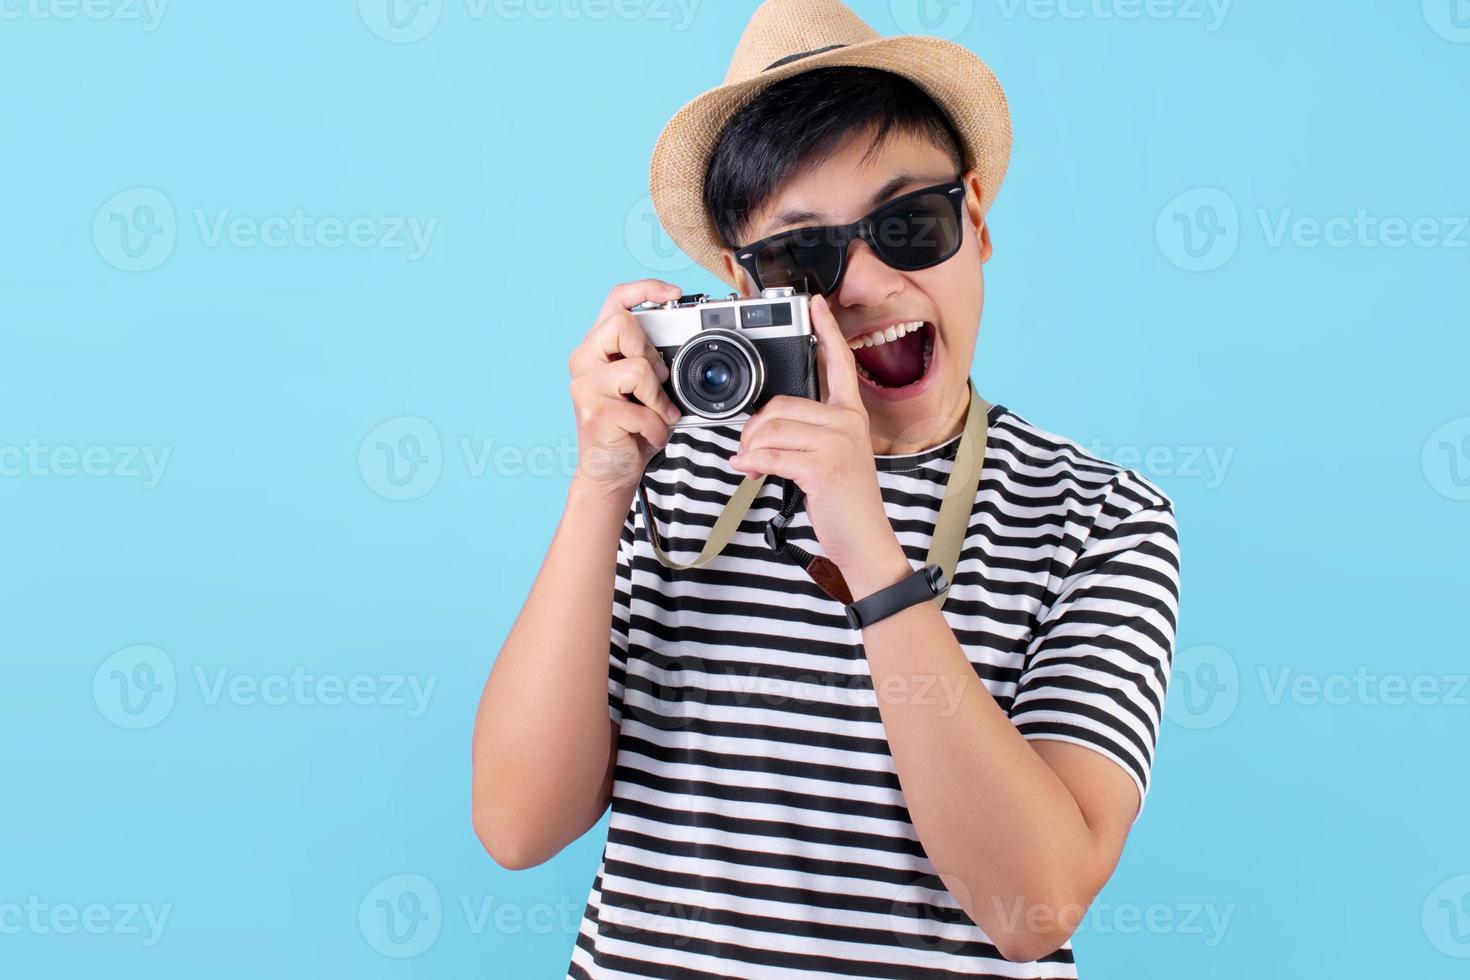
{"points": [[729, 357]]}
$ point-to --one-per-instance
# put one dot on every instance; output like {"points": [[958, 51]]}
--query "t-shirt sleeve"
{"points": [[1097, 667], [617, 663]]}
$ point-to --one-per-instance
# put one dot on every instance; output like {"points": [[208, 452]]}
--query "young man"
{"points": [[938, 790]]}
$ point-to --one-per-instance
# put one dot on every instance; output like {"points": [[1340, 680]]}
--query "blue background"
{"points": [[1326, 545]]}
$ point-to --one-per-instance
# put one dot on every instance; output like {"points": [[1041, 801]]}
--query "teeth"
{"points": [[888, 334]]}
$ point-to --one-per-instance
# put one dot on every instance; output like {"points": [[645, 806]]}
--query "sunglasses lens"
{"points": [[919, 232], [807, 262]]}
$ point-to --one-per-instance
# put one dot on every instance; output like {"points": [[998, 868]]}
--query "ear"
{"points": [[735, 271], [975, 216]]}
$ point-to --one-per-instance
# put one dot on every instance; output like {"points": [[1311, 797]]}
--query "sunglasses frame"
{"points": [[841, 237]]}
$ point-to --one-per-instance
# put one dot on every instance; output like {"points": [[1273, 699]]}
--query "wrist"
{"points": [[586, 495], [887, 566]]}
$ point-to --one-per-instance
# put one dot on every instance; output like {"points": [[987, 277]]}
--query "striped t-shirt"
{"points": [[757, 827]]}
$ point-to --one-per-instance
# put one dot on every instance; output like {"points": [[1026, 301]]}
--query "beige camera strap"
{"points": [[949, 530]]}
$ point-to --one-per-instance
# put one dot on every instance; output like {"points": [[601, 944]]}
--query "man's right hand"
{"points": [[616, 436]]}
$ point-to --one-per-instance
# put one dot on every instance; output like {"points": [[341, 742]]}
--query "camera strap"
{"points": [[944, 547]]}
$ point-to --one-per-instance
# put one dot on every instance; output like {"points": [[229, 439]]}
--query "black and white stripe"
{"points": [[757, 826]]}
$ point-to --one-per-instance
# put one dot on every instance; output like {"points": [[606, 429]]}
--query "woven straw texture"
{"points": [[962, 85]]}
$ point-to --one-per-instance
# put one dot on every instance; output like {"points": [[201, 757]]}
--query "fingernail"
{"points": [[662, 370], [672, 414]]}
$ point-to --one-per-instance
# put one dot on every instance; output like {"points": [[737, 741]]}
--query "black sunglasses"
{"points": [[915, 231]]}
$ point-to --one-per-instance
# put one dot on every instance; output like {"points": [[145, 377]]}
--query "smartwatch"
{"points": [[914, 588]]}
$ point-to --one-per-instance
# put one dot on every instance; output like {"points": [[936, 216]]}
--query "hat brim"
{"points": [[951, 74]]}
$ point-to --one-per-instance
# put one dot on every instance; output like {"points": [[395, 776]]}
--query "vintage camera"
{"points": [[728, 357]]}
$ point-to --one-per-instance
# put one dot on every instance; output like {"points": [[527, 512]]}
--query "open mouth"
{"points": [[895, 357]]}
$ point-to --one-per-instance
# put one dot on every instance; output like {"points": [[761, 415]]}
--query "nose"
{"points": [[867, 280]]}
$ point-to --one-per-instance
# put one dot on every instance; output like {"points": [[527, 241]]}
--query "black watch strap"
{"points": [[924, 583]]}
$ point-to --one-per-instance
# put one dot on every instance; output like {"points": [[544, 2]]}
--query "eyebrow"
{"points": [[797, 216]]}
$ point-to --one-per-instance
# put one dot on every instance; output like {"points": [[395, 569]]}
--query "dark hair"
{"points": [[802, 120]]}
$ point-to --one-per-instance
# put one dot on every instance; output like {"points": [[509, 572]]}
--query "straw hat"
{"points": [[786, 37]]}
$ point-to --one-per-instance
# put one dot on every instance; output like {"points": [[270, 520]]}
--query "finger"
{"points": [[789, 407], [618, 336], [794, 407], [614, 417], [629, 294], [790, 464], [784, 433], [839, 366], [636, 377]]}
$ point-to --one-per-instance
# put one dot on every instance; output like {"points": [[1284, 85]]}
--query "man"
{"points": [[918, 790]]}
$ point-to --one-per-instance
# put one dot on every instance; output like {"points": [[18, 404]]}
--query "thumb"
{"points": [[839, 367]]}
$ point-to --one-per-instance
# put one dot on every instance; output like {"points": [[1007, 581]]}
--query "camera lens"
{"points": [[717, 374]]}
